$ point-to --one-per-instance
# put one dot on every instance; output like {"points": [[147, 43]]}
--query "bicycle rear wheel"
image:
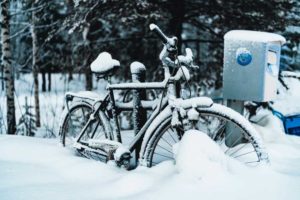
{"points": [[234, 134], [73, 122]]}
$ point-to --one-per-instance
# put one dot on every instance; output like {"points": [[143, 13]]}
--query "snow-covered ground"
{"points": [[37, 168]]}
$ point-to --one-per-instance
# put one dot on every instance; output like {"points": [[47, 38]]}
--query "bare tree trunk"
{"points": [[43, 81], [89, 79], [88, 73], [2, 77], [177, 9], [35, 71], [70, 77], [49, 81], [8, 71], [70, 68]]}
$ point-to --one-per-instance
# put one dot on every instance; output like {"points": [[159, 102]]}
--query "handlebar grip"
{"points": [[160, 34]]}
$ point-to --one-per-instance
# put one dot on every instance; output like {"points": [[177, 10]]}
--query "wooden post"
{"points": [[139, 116]]}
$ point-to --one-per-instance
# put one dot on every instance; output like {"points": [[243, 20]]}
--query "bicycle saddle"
{"points": [[104, 65]]}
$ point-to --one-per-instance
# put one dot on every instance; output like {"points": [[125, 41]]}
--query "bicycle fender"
{"points": [[83, 95], [167, 112], [196, 102]]}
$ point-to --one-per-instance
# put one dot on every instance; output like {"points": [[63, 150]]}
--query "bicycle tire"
{"points": [[67, 135], [153, 143]]}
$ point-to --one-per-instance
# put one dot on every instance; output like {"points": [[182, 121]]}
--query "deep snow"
{"points": [[35, 168]]}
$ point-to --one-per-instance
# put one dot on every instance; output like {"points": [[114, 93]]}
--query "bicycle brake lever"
{"points": [[194, 66]]}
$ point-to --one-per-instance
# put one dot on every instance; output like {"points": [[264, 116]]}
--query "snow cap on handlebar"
{"points": [[159, 33], [153, 26]]}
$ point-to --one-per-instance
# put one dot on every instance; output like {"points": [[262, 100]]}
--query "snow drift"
{"points": [[199, 156]]}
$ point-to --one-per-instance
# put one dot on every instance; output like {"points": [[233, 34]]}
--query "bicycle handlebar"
{"points": [[169, 57], [159, 33]]}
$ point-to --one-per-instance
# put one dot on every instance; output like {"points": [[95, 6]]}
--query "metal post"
{"points": [[236, 105], [234, 138], [139, 116]]}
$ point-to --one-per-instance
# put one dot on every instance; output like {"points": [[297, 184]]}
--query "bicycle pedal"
{"points": [[123, 160], [122, 153]]}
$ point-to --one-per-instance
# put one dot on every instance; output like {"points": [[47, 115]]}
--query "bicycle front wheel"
{"points": [[233, 133]]}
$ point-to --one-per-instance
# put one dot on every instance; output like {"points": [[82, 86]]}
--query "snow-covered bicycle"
{"points": [[91, 124]]}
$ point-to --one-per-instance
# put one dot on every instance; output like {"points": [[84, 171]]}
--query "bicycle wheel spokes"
{"points": [[164, 146], [210, 125], [77, 118], [244, 153], [231, 138], [99, 132]]}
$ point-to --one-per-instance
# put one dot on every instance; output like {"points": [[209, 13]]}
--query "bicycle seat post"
{"points": [[108, 79]]}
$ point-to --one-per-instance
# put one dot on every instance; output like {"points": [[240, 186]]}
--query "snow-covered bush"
{"points": [[27, 123]]}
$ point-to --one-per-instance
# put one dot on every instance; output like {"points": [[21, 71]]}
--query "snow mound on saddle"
{"points": [[104, 63], [199, 156]]}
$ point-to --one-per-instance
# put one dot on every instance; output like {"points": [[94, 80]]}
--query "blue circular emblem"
{"points": [[243, 56]]}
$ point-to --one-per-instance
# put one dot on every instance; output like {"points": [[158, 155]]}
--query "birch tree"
{"points": [[8, 70], [35, 67]]}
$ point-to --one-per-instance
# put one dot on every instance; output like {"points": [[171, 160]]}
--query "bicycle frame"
{"points": [[169, 59], [171, 112], [167, 84]]}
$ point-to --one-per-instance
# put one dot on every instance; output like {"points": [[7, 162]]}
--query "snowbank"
{"points": [[199, 156], [287, 101], [35, 168]]}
